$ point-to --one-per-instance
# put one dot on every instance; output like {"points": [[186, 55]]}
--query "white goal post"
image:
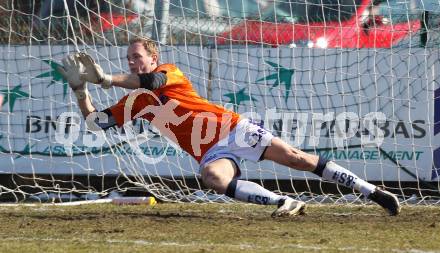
{"points": [[369, 100]]}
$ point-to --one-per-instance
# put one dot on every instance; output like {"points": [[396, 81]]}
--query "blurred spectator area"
{"points": [[23, 20], [180, 21]]}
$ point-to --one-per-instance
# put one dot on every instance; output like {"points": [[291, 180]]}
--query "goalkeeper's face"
{"points": [[139, 61]]}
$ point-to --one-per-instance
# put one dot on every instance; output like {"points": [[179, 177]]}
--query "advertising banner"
{"points": [[374, 111]]}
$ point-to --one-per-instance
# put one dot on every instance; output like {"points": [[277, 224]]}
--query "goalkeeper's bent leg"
{"points": [[220, 176], [251, 192]]}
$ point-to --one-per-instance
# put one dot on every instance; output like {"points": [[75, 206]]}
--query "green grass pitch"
{"points": [[188, 227]]}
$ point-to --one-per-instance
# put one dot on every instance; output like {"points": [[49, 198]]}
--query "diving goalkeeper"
{"points": [[218, 139]]}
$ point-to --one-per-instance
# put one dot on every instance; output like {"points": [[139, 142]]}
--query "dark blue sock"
{"points": [[230, 191], [322, 162]]}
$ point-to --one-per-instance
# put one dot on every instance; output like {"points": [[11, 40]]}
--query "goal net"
{"points": [[355, 81]]}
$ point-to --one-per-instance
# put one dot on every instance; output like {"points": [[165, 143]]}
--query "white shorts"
{"points": [[246, 141]]}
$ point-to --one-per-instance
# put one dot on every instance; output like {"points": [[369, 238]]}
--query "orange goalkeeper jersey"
{"points": [[179, 113]]}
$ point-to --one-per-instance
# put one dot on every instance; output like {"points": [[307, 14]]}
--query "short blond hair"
{"points": [[149, 45]]}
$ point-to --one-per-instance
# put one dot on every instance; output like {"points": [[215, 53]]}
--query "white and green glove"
{"points": [[93, 73], [71, 71]]}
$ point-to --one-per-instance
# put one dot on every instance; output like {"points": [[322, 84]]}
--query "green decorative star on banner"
{"points": [[56, 76], [240, 96], [283, 76], [12, 95]]}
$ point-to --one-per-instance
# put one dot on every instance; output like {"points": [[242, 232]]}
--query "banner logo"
{"points": [[237, 98], [12, 95], [283, 76]]}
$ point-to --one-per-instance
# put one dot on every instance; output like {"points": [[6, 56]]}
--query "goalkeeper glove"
{"points": [[93, 72], [71, 70]]}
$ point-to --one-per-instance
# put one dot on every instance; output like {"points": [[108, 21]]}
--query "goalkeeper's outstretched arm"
{"points": [[93, 73], [149, 81], [79, 68]]}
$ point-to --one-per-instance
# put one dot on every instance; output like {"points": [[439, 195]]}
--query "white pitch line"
{"points": [[240, 246], [75, 203], [117, 200]]}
